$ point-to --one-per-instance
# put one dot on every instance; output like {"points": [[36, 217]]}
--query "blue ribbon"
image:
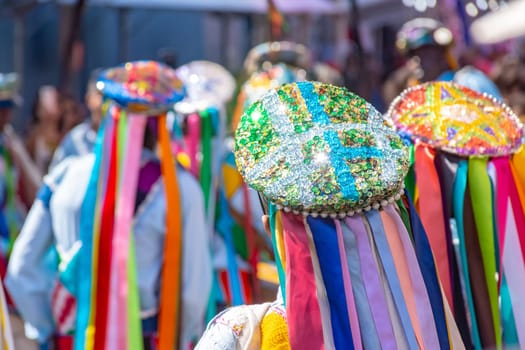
{"points": [[428, 269], [325, 238], [87, 216], [391, 274]]}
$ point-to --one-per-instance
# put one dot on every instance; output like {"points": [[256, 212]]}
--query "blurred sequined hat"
{"points": [[264, 55], [8, 90], [207, 84], [421, 32]]}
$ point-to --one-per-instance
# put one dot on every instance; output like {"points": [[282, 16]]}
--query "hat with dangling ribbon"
{"points": [[333, 170], [467, 180], [287, 52], [108, 314], [420, 32]]}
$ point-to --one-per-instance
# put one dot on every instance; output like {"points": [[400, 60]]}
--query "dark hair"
{"points": [[264, 203]]}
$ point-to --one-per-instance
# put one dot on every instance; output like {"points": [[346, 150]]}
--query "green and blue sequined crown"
{"points": [[319, 149]]}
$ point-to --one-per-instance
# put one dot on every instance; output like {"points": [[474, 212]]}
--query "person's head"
{"points": [[72, 113], [430, 41], [46, 108], [94, 100]]}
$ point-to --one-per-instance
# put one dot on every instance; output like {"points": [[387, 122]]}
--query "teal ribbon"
{"points": [[272, 212], [460, 186], [85, 256]]}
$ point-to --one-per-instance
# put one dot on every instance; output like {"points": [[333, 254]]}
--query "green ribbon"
{"points": [[272, 212], [135, 341], [460, 187], [10, 200], [482, 198], [405, 217], [410, 179], [206, 148]]}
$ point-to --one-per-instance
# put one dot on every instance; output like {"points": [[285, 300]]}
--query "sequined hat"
{"points": [[320, 150], [421, 32], [456, 119], [145, 87]]}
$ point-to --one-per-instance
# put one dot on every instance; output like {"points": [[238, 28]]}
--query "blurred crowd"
{"points": [[61, 124]]}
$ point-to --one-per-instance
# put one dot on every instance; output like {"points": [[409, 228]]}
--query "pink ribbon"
{"points": [[302, 307], [118, 315], [192, 140]]}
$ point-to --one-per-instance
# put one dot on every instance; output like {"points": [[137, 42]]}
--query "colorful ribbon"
{"points": [[87, 257], [302, 307], [170, 293], [481, 193], [431, 213]]}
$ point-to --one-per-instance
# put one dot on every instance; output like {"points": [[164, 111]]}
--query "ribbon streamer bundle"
{"points": [[333, 172], [467, 179], [108, 311], [237, 228], [209, 87]]}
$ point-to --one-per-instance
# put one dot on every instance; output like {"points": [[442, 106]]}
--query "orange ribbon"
{"points": [[170, 294], [432, 216]]}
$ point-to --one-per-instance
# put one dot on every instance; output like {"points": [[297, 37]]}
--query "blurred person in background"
{"points": [[509, 75], [72, 113], [15, 165], [426, 44], [45, 128], [81, 139]]}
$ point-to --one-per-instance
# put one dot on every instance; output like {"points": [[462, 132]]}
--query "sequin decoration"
{"points": [[319, 149], [144, 87], [457, 120]]}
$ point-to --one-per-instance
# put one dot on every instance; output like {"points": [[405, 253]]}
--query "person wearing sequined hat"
{"points": [[426, 44], [129, 228], [354, 264], [467, 179]]}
